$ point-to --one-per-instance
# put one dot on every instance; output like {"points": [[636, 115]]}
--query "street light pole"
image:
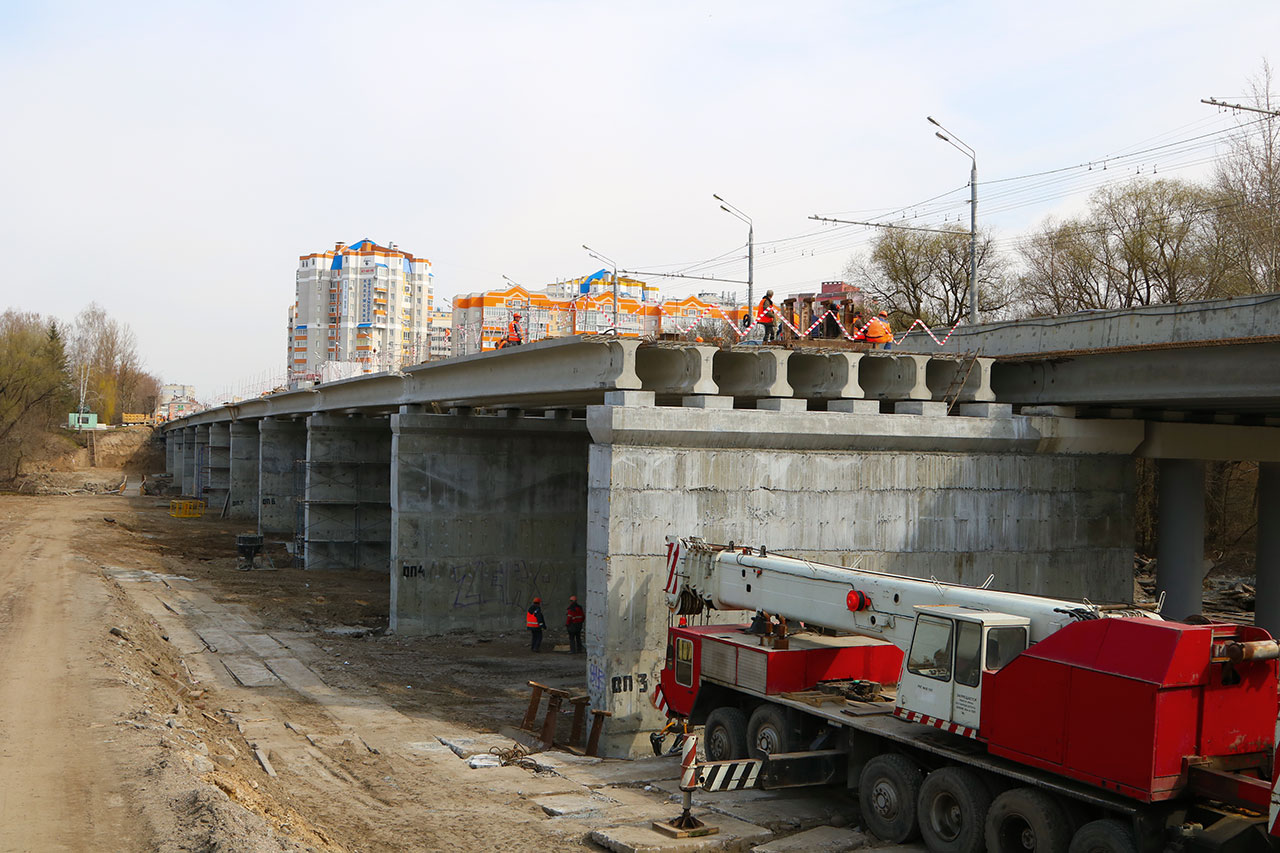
{"points": [[593, 253], [751, 246], [968, 151]]}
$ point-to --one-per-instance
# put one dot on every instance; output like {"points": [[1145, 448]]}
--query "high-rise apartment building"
{"points": [[361, 308]]}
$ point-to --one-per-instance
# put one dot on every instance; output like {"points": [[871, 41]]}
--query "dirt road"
{"points": [[59, 786]]}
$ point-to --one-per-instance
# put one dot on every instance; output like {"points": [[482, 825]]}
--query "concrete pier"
{"points": [[187, 472], [242, 475], [1267, 607], [217, 486], [348, 493], [200, 467], [1180, 537], [282, 450], [487, 512]]}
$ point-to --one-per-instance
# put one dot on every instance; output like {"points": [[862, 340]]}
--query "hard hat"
{"points": [[537, 601], [573, 598], [884, 313], [516, 316]]}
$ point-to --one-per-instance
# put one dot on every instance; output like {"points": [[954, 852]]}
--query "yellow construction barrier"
{"points": [[186, 509]]}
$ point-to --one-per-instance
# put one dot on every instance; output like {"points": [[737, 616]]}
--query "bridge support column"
{"points": [[242, 477], [1180, 537], [187, 465], [347, 498], [200, 468], [486, 513], [1267, 609], [171, 452], [219, 468], [282, 444]]}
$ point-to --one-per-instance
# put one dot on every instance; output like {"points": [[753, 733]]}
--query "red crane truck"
{"points": [[977, 718]]}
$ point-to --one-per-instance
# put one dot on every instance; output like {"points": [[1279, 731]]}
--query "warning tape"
{"points": [[860, 337]]}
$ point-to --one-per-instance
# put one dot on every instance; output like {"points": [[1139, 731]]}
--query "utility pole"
{"points": [[751, 248], [968, 151], [593, 253], [1272, 114]]}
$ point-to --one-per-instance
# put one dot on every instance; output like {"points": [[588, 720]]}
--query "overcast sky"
{"points": [[172, 161]]}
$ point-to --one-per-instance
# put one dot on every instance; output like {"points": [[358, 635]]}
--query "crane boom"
{"points": [[853, 600]]}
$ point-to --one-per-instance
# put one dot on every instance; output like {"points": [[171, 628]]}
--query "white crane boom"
{"points": [[851, 600]]}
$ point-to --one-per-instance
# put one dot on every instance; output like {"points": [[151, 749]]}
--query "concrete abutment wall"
{"points": [[347, 494], [487, 512], [1046, 507]]}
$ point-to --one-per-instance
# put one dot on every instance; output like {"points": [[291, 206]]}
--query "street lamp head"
{"points": [[933, 120], [716, 197], [943, 137]]}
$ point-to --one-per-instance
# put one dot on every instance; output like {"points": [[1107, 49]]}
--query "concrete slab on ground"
{"points": [[643, 838], [250, 672], [580, 805], [466, 747], [640, 771], [787, 811], [821, 839]]}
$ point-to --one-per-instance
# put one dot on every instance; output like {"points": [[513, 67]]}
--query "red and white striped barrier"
{"points": [[742, 333], [689, 764], [658, 699], [937, 723]]}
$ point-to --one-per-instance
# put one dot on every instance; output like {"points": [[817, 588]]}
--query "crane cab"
{"points": [[951, 648]]}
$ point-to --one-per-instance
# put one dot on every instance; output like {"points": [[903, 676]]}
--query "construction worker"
{"points": [[878, 331], [514, 338], [858, 327], [574, 617], [534, 621], [764, 315]]}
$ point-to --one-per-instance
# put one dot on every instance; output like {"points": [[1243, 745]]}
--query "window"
{"points": [[684, 661], [931, 648], [1005, 644], [968, 653]]}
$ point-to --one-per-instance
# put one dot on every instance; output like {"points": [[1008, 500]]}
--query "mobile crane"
{"points": [[977, 718]]}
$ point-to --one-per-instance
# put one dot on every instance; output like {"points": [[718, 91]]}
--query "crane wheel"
{"points": [[724, 737], [1027, 820], [888, 791], [769, 731], [1104, 836], [952, 810]]}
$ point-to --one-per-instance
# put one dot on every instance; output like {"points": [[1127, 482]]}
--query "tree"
{"points": [[105, 352], [1248, 180], [35, 385], [925, 275]]}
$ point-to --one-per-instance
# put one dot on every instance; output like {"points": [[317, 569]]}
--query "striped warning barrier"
{"points": [[689, 764], [728, 775]]}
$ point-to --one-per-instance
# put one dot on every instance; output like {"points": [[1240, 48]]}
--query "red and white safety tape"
{"points": [[937, 723], [744, 332]]}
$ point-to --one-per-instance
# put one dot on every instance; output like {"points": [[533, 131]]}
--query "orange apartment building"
{"points": [[480, 319]]}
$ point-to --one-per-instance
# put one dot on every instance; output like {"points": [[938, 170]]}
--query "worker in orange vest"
{"points": [[534, 621], [574, 618], [514, 338], [858, 328], [764, 315], [878, 331]]}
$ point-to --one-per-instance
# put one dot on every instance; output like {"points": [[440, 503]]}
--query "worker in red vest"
{"points": [[764, 315], [536, 624], [878, 331], [858, 328], [574, 617]]}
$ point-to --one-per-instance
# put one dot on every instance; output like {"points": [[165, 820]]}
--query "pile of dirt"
{"points": [[135, 449], [91, 481]]}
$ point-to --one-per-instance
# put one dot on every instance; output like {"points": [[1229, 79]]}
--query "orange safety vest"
{"points": [[764, 316], [859, 332], [513, 332], [878, 331], [531, 620]]}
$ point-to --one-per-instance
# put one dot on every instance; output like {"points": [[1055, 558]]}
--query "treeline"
{"points": [[1145, 241], [48, 367]]}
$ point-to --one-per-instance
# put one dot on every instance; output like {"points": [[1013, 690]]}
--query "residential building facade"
{"points": [[359, 308]]}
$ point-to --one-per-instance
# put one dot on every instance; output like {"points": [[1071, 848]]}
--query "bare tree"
{"points": [[105, 351], [1249, 181]]}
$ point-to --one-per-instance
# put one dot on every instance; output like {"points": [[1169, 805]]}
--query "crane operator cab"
{"points": [[951, 647]]}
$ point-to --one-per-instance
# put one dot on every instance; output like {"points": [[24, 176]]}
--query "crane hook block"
{"points": [[856, 601]]}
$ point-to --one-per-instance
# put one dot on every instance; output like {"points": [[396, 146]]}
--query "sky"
{"points": [[172, 161]]}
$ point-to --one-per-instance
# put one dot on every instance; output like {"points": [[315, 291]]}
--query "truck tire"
{"points": [[1104, 836], [1022, 820], [769, 731], [888, 791], [952, 810], [724, 737]]}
